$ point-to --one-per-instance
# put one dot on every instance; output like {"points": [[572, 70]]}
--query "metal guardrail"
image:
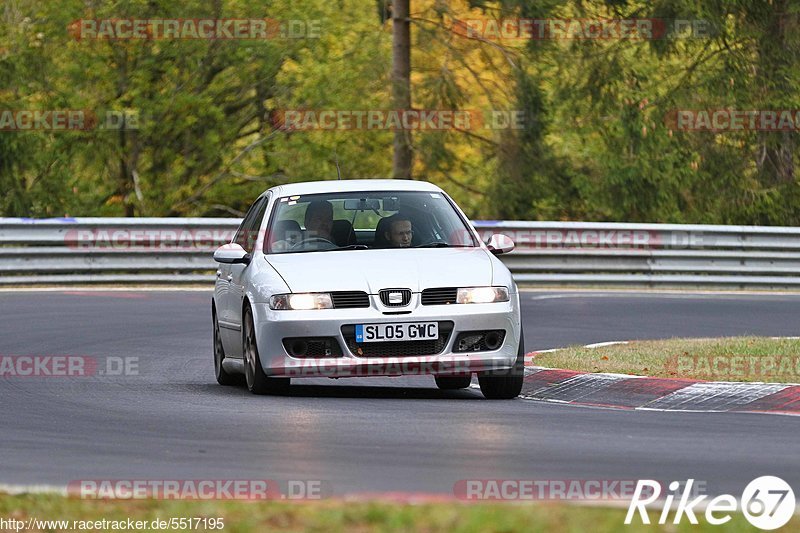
{"points": [[170, 250]]}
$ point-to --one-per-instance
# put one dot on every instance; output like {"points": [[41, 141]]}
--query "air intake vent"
{"points": [[312, 347], [349, 299], [479, 341], [439, 296]]}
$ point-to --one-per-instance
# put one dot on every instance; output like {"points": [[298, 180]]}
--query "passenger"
{"points": [[319, 220]]}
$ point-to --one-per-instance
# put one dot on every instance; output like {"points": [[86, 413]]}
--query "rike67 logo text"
{"points": [[767, 502]]}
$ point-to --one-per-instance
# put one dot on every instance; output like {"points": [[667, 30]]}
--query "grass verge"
{"points": [[341, 516], [720, 359]]}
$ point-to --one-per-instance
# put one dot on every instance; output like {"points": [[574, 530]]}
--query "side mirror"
{"points": [[232, 254], [500, 244]]}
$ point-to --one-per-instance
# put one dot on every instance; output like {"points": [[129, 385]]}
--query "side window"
{"points": [[247, 234], [239, 238]]}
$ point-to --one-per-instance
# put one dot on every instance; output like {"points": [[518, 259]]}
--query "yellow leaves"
{"points": [[291, 66]]}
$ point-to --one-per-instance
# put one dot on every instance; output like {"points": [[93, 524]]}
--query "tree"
{"points": [[401, 85]]}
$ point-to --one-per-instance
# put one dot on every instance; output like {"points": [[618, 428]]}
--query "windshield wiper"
{"points": [[442, 245], [353, 247]]}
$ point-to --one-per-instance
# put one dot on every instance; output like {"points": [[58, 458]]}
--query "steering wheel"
{"points": [[313, 240], [431, 244]]}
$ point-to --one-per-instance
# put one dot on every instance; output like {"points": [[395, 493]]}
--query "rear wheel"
{"points": [[505, 384], [257, 381], [223, 377], [453, 382]]}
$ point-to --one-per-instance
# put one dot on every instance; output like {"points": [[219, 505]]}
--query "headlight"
{"points": [[301, 301], [481, 295]]}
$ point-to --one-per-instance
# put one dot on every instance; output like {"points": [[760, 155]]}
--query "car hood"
{"points": [[372, 270]]}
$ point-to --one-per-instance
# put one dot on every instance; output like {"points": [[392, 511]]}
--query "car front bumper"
{"points": [[273, 326]]}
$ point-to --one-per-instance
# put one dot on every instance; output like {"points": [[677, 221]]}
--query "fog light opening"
{"points": [[469, 343], [299, 348], [492, 340]]}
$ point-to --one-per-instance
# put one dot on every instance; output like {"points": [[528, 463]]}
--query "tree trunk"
{"points": [[401, 85], [777, 60]]}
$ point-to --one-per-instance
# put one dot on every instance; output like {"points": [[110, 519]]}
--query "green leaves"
{"points": [[597, 141]]}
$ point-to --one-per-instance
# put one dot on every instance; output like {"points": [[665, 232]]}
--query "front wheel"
{"points": [[257, 381], [223, 377], [505, 384]]}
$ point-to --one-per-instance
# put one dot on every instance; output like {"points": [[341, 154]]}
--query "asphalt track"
{"points": [[375, 435]]}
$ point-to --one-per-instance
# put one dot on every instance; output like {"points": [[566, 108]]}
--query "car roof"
{"points": [[368, 185]]}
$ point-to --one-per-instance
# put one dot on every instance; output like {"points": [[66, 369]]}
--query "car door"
{"points": [[221, 289], [237, 277], [228, 304]]}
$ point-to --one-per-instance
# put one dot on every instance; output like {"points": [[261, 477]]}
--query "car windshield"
{"points": [[365, 220]]}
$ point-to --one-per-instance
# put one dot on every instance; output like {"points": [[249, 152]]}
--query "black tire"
{"points": [[223, 377], [453, 382], [505, 384], [257, 381]]}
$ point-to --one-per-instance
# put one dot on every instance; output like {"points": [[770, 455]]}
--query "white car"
{"points": [[365, 278]]}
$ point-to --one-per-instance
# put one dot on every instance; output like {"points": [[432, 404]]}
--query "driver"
{"points": [[319, 220], [399, 232]]}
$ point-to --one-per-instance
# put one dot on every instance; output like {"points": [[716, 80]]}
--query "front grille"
{"points": [[399, 348], [312, 347], [349, 299], [405, 297], [476, 341], [439, 296]]}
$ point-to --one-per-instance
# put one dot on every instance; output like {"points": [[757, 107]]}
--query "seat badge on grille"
{"points": [[395, 297]]}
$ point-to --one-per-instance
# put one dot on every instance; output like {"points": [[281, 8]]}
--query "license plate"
{"points": [[406, 331]]}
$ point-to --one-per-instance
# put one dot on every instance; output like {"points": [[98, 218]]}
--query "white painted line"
{"points": [[33, 489], [83, 288], [575, 292], [527, 398], [530, 370], [607, 343], [534, 369], [663, 410]]}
